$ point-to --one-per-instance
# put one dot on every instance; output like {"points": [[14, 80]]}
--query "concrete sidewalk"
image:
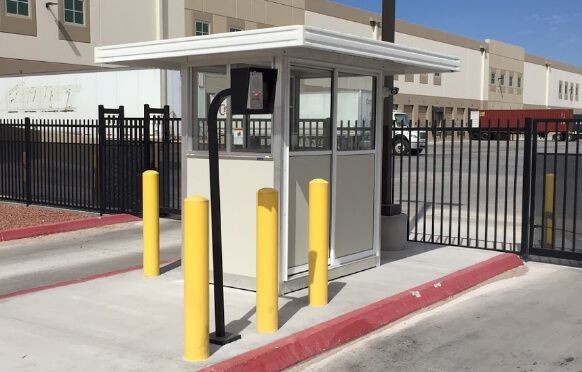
{"points": [[127, 322]]}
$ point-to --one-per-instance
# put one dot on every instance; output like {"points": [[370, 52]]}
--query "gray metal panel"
{"points": [[302, 169]]}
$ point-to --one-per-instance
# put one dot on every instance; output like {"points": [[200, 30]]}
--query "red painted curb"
{"points": [[306, 344], [78, 280], [53, 228]]}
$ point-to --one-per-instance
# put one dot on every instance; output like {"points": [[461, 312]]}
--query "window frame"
{"points": [[74, 11], [203, 23], [17, 14], [235, 29]]}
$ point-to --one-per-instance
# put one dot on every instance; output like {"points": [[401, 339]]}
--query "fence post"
{"points": [[527, 187], [146, 135], [101, 160], [318, 241], [27, 161]]}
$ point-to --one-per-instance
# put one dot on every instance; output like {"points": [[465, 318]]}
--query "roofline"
{"points": [[555, 64], [275, 39]]}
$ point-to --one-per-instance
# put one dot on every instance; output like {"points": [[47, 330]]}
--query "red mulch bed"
{"points": [[13, 216]]}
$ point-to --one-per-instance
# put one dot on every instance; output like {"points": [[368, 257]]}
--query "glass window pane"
{"points": [[69, 16], [356, 112], [11, 7], [79, 17], [211, 80], [310, 109], [23, 9], [69, 5], [79, 5]]}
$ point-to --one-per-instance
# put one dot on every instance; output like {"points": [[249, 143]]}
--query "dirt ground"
{"points": [[18, 215]]}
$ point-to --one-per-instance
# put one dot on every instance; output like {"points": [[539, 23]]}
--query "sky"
{"points": [[547, 28]]}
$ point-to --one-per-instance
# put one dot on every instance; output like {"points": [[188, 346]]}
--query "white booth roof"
{"points": [[305, 42]]}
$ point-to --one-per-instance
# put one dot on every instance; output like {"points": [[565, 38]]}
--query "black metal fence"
{"points": [[457, 189], [556, 219], [90, 164]]}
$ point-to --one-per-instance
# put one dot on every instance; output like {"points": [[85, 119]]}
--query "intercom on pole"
{"points": [[252, 92]]}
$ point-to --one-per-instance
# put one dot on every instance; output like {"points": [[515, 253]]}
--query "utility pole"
{"points": [[388, 30]]}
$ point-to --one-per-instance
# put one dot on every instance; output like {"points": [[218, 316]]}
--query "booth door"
{"points": [[310, 152], [342, 154], [354, 168]]}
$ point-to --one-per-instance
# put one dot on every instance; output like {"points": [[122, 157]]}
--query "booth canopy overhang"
{"points": [[305, 42]]}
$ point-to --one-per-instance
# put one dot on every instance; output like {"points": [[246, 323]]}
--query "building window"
{"points": [[566, 90], [560, 90], [437, 79], [493, 77], [74, 11], [502, 79], [18, 7], [577, 91], [202, 28], [396, 77], [571, 91], [510, 80], [519, 81], [235, 29], [409, 78], [424, 78]]}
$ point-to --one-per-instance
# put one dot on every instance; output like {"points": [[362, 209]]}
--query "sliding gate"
{"points": [[508, 187], [461, 185]]}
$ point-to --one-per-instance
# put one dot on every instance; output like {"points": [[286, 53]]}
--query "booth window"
{"points": [[236, 133], [310, 109], [356, 111]]}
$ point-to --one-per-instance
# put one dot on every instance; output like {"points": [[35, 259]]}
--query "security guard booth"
{"points": [[327, 123]]}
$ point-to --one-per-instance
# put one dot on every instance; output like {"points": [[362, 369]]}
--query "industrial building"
{"points": [[47, 54]]}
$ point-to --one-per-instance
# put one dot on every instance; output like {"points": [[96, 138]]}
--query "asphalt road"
{"points": [[526, 323], [48, 260]]}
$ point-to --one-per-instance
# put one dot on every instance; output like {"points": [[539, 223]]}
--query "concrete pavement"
{"points": [[526, 323], [127, 322], [34, 262]]}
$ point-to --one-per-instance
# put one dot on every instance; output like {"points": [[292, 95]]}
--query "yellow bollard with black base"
{"points": [[549, 210], [267, 260], [318, 241], [195, 266], [151, 223]]}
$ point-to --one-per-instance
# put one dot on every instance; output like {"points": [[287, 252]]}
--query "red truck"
{"points": [[494, 124]]}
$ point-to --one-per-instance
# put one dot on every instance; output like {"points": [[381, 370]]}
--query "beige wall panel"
{"points": [[222, 7], [239, 182], [194, 4], [281, 15], [504, 49], [244, 9], [113, 16], [259, 11], [302, 169], [337, 24], [219, 24], [354, 226], [250, 25]]}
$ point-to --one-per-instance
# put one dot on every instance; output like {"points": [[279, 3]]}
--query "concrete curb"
{"points": [[306, 344], [54, 228]]}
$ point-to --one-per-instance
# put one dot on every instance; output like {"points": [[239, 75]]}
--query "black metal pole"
{"points": [[388, 30], [28, 160], [220, 336], [528, 183]]}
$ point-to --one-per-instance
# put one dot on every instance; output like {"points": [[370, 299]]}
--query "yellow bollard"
{"points": [[151, 224], [267, 260], [549, 210], [195, 266], [318, 241]]}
